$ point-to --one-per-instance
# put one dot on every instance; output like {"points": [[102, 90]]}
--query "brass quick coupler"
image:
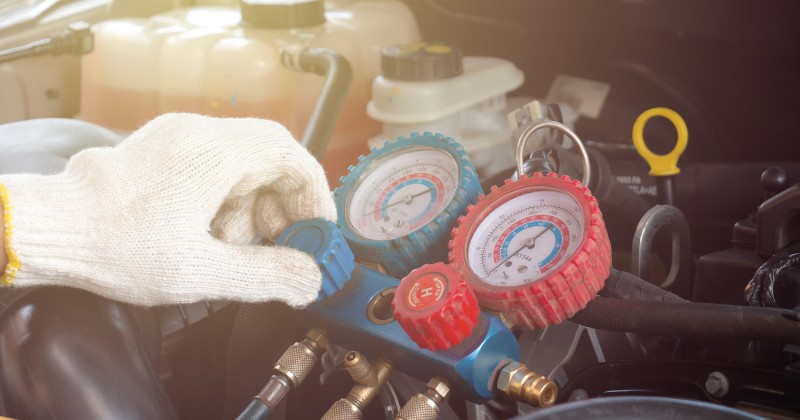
{"points": [[522, 384]]}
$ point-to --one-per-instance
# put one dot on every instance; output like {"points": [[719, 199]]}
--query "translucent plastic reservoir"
{"points": [[431, 87], [224, 61]]}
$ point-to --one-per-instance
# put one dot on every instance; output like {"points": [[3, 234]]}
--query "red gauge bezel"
{"points": [[559, 295]]}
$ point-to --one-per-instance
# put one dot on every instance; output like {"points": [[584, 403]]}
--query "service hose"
{"points": [[255, 410]]}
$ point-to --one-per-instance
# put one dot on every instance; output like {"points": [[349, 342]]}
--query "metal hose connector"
{"points": [[522, 384], [291, 369], [425, 406], [368, 381]]}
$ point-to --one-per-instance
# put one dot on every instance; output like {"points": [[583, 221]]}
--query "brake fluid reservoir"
{"points": [[431, 87], [225, 61]]}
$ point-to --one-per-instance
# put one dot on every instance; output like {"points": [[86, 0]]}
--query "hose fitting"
{"points": [[299, 359], [291, 369], [368, 378], [522, 384], [425, 406]]}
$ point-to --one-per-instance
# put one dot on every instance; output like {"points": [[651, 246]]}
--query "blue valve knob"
{"points": [[322, 239]]}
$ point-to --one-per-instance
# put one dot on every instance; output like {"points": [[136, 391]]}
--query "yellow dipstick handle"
{"points": [[661, 165]]}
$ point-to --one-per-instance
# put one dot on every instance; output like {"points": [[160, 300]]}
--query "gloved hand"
{"points": [[137, 222]]}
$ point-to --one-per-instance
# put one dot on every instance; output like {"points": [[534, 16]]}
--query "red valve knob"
{"points": [[436, 307]]}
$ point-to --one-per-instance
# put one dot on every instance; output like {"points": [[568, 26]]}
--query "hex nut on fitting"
{"points": [[504, 377], [318, 338], [439, 388], [522, 384]]}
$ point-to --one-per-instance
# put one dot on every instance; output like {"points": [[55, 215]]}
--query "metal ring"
{"points": [[529, 130], [375, 303], [652, 221]]}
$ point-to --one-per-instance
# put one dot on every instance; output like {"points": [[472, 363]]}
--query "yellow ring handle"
{"points": [[661, 165]]}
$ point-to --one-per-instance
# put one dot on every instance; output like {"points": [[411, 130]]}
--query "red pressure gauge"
{"points": [[535, 249], [435, 307]]}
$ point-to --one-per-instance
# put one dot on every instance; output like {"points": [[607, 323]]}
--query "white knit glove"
{"points": [[137, 222]]}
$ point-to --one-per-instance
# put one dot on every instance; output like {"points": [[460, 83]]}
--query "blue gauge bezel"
{"points": [[427, 244]]}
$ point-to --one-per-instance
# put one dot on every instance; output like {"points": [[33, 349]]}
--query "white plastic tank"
{"points": [[225, 61], [431, 87]]}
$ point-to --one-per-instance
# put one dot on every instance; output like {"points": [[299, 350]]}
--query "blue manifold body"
{"points": [[469, 367]]}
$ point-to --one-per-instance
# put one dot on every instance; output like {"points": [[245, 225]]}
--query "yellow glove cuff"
{"points": [[13, 261]]}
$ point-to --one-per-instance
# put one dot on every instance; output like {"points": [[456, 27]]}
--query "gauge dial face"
{"points": [[401, 192], [525, 238]]}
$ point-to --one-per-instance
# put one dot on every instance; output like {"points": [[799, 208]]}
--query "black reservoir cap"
{"points": [[419, 61], [282, 14]]}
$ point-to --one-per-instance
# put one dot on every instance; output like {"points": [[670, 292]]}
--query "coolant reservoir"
{"points": [[431, 87], [225, 61]]}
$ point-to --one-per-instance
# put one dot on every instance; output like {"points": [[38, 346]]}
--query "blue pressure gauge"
{"points": [[398, 204]]}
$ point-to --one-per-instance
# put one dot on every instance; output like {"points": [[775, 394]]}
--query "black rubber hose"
{"points": [[693, 320], [624, 285], [257, 410], [612, 195], [338, 75]]}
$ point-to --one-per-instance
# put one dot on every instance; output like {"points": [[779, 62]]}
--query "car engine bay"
{"points": [[546, 209]]}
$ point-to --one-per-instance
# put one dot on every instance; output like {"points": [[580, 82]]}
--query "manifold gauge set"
{"points": [[446, 273], [534, 250]]}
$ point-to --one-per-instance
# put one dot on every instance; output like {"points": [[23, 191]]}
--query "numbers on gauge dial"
{"points": [[525, 238], [401, 192]]}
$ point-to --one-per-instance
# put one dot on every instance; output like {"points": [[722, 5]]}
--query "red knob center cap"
{"points": [[436, 307]]}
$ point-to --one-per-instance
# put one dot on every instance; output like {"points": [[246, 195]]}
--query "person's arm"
{"points": [[173, 214]]}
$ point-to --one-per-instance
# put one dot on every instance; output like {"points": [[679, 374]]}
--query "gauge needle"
{"points": [[407, 199], [529, 244]]}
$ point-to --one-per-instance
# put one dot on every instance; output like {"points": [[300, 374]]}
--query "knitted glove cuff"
{"points": [[46, 221]]}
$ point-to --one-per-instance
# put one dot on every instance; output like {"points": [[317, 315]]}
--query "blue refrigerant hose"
{"points": [[257, 410]]}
